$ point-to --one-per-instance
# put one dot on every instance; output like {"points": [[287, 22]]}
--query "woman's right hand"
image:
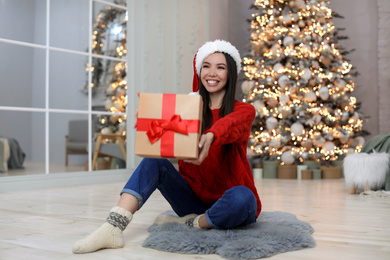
{"points": [[136, 113], [204, 145]]}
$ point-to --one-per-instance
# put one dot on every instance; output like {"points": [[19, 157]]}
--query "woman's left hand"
{"points": [[204, 145]]}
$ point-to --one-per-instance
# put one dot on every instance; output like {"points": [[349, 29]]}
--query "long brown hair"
{"points": [[228, 99]]}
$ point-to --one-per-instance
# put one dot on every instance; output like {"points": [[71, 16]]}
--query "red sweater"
{"points": [[226, 165]]}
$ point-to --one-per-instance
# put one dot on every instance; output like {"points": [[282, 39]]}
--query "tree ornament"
{"points": [[106, 130], [345, 116], [108, 104], [297, 129], [284, 99], [310, 97], [114, 119], [308, 144], [283, 81], [258, 105], [340, 84], [271, 123], [327, 135], [257, 47], [120, 92], [306, 74], [285, 111], [315, 64], [336, 96], [305, 155], [324, 93], [317, 119], [110, 90], [305, 48], [278, 67], [275, 143], [272, 102], [288, 41], [269, 80], [329, 147], [288, 157], [286, 18], [122, 127], [319, 141], [325, 60], [247, 86], [360, 140], [343, 137], [300, 4], [275, 47], [118, 105]]}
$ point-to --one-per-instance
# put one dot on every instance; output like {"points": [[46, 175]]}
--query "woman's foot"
{"points": [[109, 235]]}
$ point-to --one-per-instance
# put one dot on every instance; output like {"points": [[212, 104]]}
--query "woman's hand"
{"points": [[136, 113], [204, 145]]}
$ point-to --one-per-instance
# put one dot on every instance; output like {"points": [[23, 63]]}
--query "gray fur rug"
{"points": [[273, 233]]}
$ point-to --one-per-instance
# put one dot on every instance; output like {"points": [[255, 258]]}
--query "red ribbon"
{"points": [[158, 127], [165, 128]]}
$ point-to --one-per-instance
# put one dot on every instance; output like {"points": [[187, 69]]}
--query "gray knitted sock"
{"points": [[193, 222]]}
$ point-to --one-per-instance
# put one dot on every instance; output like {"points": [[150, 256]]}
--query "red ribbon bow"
{"points": [[157, 128]]}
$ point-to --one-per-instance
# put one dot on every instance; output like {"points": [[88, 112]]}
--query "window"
{"points": [[47, 82]]}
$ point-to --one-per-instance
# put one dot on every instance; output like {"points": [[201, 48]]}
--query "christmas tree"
{"points": [[300, 84], [110, 19]]}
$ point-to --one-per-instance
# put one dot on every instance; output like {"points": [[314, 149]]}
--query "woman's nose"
{"points": [[212, 72]]}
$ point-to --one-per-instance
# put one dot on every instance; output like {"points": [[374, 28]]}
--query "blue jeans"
{"points": [[237, 207]]}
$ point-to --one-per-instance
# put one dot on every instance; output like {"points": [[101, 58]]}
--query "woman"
{"points": [[216, 190]]}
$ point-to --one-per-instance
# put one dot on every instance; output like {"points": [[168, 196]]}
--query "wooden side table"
{"points": [[115, 137]]}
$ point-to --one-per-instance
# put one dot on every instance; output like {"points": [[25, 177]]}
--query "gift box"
{"points": [[287, 171], [169, 126]]}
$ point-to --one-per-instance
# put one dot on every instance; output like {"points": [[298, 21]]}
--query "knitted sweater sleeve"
{"points": [[234, 127]]}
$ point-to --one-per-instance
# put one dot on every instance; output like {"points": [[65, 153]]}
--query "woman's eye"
{"points": [[221, 68], [205, 66]]}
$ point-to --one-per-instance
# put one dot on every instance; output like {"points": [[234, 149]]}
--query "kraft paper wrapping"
{"points": [[161, 108]]}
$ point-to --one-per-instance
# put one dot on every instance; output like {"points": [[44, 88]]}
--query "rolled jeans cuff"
{"points": [[210, 222], [135, 194]]}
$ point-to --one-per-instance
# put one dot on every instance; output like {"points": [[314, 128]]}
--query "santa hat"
{"points": [[210, 48]]}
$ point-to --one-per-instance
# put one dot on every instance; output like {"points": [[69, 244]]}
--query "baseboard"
{"points": [[43, 181]]}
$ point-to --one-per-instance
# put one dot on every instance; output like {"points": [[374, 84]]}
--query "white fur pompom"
{"points": [[362, 170]]}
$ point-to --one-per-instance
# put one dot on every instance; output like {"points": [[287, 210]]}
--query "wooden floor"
{"points": [[44, 224]]}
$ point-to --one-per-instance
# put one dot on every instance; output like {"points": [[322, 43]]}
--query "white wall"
{"points": [[361, 26], [166, 35]]}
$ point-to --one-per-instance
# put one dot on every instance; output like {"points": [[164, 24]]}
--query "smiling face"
{"points": [[214, 74]]}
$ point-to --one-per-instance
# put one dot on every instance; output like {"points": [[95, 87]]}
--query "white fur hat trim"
{"points": [[217, 46]]}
